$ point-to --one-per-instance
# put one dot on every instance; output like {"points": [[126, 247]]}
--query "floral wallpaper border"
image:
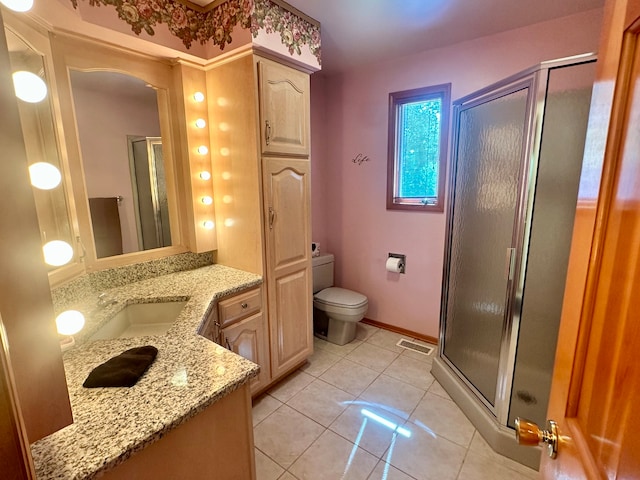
{"points": [[216, 25]]}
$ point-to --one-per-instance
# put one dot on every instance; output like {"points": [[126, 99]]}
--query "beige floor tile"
{"points": [[291, 385], [341, 350], [320, 362], [411, 371], [373, 357], [392, 395], [349, 376], [333, 457], [267, 469], [369, 434], [437, 389], [387, 339], [444, 418], [285, 434], [287, 476], [425, 457], [421, 356], [264, 406], [479, 467], [321, 402], [480, 447], [386, 471], [364, 331]]}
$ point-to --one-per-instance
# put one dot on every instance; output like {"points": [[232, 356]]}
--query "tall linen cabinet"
{"points": [[259, 125]]}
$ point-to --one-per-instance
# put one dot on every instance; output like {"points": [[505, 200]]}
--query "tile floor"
{"points": [[369, 410]]}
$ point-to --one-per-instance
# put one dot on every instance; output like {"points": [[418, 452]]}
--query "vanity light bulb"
{"points": [[205, 175], [208, 225], [203, 150], [57, 253], [201, 123], [18, 5], [198, 97], [29, 87], [207, 200], [69, 322], [44, 175]]}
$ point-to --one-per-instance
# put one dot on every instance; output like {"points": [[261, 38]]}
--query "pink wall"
{"points": [[350, 117]]}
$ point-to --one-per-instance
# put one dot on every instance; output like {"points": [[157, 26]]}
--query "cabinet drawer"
{"points": [[240, 306]]}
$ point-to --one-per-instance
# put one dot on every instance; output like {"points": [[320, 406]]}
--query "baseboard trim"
{"points": [[401, 331]]}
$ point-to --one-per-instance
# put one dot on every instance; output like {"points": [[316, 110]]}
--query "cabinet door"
{"points": [[284, 109], [248, 339], [288, 234]]}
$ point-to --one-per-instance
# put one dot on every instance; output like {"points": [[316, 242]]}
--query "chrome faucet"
{"points": [[103, 301]]}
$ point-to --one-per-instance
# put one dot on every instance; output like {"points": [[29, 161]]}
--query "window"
{"points": [[418, 125]]}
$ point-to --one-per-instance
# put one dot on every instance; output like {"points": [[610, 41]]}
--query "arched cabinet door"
{"points": [[284, 109], [288, 242], [247, 339]]}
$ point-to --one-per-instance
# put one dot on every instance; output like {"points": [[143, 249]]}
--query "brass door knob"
{"points": [[528, 433]]}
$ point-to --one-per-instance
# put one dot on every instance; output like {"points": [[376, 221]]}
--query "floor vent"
{"points": [[416, 347]]}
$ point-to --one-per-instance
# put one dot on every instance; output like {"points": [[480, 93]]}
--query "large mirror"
{"points": [[119, 119], [118, 126]]}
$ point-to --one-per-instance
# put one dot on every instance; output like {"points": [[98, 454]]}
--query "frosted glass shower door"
{"points": [[488, 154]]}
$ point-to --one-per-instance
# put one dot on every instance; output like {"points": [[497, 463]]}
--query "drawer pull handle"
{"points": [[244, 305]]}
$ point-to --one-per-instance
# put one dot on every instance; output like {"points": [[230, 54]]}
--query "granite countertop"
{"points": [[189, 374]]}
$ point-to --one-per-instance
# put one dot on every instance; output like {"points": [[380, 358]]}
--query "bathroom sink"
{"points": [[140, 319]]}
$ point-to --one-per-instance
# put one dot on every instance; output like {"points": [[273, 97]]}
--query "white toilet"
{"points": [[336, 311]]}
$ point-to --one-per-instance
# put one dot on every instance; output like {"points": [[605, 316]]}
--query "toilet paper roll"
{"points": [[394, 265]]}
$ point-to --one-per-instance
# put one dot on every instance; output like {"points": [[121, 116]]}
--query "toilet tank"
{"points": [[322, 272]]}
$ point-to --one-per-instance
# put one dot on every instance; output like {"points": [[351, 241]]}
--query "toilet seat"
{"points": [[340, 301]]}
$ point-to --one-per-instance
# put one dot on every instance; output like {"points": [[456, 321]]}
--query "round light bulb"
{"points": [[57, 253], [198, 97], [18, 5], [207, 200], [201, 123], [203, 150], [44, 175], [205, 175], [69, 322], [224, 151], [29, 87], [208, 224], [227, 199], [229, 222], [226, 175]]}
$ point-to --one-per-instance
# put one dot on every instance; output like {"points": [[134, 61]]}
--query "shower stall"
{"points": [[517, 155]]}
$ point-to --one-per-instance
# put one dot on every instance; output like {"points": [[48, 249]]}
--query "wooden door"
{"points": [[288, 233], [284, 109], [596, 384]]}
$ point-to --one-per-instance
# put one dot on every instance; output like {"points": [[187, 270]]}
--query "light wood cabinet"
{"points": [[262, 192], [241, 327], [284, 109], [288, 246]]}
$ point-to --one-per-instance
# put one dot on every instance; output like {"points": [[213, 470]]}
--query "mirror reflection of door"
{"points": [[112, 108], [149, 192]]}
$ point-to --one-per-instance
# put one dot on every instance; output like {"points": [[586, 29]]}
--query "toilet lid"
{"points": [[340, 297]]}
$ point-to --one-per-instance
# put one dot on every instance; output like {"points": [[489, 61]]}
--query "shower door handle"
{"points": [[510, 264], [529, 434]]}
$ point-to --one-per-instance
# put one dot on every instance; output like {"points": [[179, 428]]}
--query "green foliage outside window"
{"points": [[419, 149], [418, 126]]}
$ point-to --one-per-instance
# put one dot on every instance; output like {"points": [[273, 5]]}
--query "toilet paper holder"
{"points": [[403, 260]]}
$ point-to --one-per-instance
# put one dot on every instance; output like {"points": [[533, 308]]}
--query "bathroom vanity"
{"points": [[193, 400]]}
